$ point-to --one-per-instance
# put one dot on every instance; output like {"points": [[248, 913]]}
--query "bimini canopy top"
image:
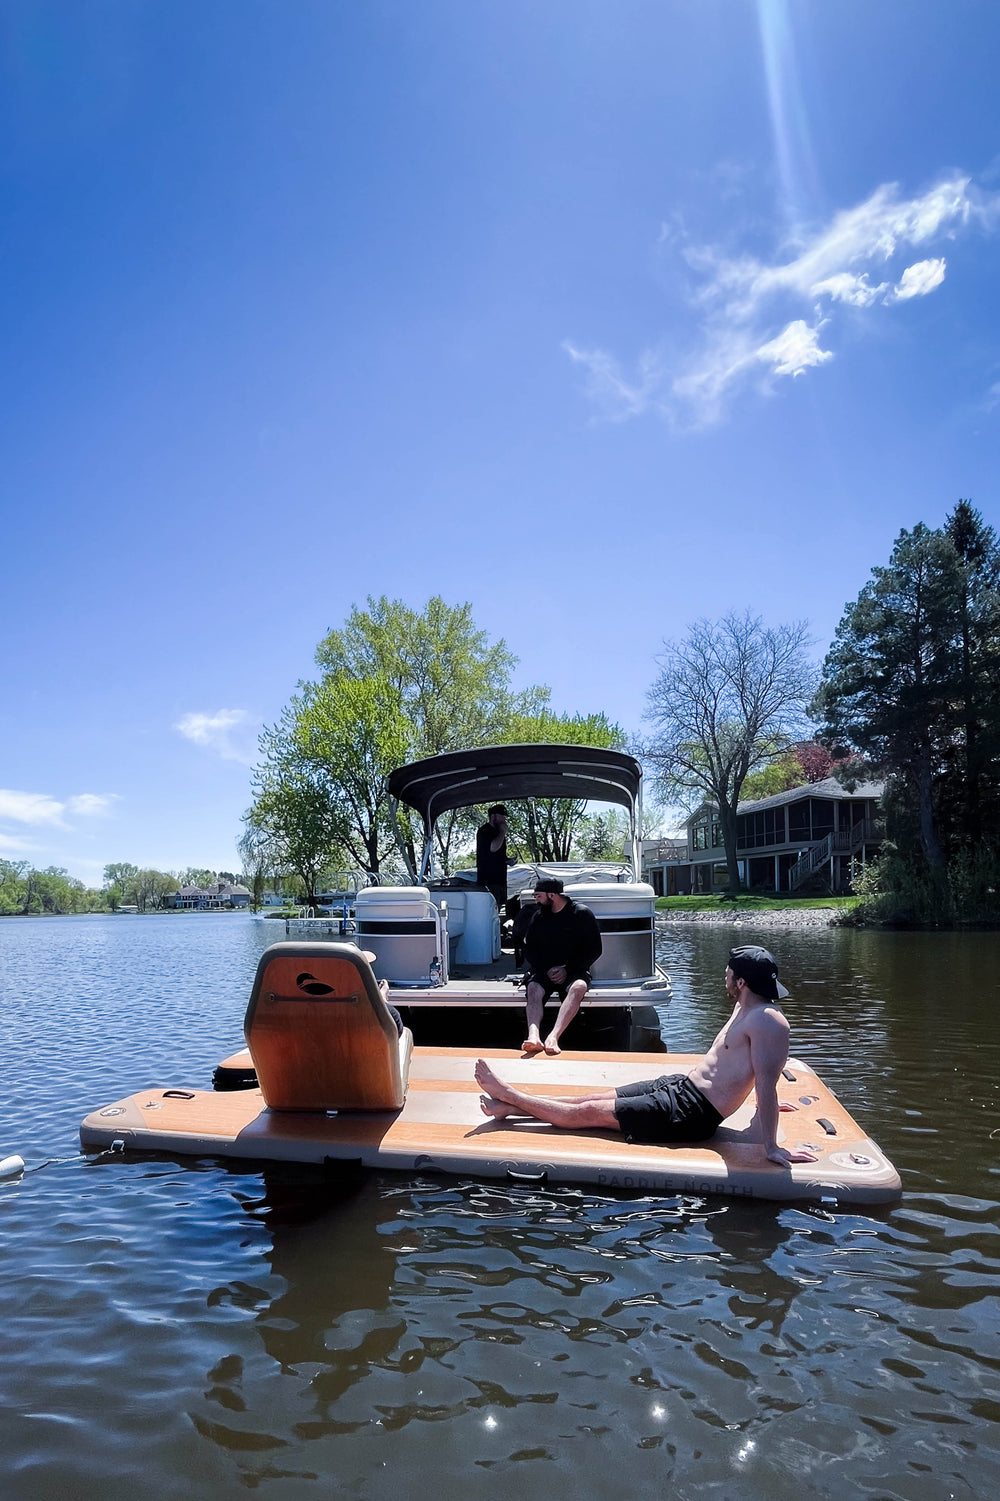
{"points": [[496, 773]]}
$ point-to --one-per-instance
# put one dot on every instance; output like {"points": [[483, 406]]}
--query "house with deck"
{"points": [[816, 835], [218, 898]]}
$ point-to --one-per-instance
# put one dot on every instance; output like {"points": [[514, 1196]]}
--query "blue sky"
{"points": [[600, 316]]}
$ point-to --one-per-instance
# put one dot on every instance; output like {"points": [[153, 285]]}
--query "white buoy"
{"points": [[11, 1165]]}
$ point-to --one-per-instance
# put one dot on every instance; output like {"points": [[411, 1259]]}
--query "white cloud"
{"points": [[753, 311], [38, 810], [90, 804], [31, 808], [847, 287], [919, 279], [226, 733], [794, 350], [13, 846]]}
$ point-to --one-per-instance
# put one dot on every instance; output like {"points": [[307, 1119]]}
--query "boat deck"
{"points": [[506, 989], [441, 1128]]}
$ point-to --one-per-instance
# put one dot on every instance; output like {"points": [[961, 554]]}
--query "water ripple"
{"points": [[216, 1328]]}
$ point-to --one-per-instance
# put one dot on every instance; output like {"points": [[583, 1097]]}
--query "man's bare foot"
{"points": [[552, 1045], [496, 1108], [531, 1046], [494, 1087]]}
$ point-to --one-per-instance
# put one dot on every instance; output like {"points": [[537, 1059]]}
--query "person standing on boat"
{"points": [[491, 855], [561, 943], [748, 1054]]}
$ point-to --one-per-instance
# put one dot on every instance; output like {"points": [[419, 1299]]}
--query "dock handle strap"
{"points": [[516, 1175]]}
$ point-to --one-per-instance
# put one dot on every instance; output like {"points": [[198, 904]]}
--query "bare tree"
{"points": [[731, 696]]}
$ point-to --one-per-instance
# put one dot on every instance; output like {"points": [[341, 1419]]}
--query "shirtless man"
{"points": [[748, 1054]]}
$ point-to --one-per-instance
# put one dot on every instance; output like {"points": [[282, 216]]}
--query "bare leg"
{"points": [[570, 1115], [534, 1001], [567, 1011]]}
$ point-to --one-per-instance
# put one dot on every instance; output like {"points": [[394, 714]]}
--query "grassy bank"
{"points": [[751, 903]]}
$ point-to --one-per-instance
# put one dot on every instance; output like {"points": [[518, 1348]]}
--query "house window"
{"points": [[716, 833], [774, 826], [822, 818], [798, 822], [759, 830], [699, 836]]}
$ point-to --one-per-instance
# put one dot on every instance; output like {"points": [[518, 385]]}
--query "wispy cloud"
{"points": [[760, 321], [90, 804], [30, 807], [609, 388], [228, 733], [10, 845], [41, 811]]}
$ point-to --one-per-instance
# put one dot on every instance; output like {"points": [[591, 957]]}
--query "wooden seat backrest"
{"points": [[320, 1034]]}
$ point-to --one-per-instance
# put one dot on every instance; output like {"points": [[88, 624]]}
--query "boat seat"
{"points": [[320, 1034]]}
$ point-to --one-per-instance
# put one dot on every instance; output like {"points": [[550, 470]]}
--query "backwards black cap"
{"points": [[758, 968]]}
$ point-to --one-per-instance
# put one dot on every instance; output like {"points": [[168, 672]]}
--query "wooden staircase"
{"points": [[844, 842]]}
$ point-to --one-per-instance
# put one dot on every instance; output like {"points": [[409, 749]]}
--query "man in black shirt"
{"points": [[562, 941], [491, 855]]}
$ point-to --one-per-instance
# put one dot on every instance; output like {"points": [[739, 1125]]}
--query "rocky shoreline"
{"points": [[795, 917]]}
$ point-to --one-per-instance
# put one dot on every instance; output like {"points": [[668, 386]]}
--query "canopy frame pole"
{"points": [[400, 841]]}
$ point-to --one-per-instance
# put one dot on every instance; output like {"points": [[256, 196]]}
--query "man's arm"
{"points": [[768, 1056], [588, 946]]}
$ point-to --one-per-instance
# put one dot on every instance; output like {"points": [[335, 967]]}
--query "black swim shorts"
{"points": [[666, 1109], [550, 987]]}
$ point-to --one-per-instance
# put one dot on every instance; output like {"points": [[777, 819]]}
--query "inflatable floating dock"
{"points": [[338, 1083]]}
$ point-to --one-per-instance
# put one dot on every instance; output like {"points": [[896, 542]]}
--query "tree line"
{"points": [[27, 892]]}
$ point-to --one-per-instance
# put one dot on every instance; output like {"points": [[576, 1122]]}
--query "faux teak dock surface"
{"points": [[441, 1128]]}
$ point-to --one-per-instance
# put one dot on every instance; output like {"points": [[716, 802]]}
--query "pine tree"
{"points": [[889, 680]]}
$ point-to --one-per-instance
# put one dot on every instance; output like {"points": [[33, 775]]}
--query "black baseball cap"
{"points": [[549, 883], [759, 969]]}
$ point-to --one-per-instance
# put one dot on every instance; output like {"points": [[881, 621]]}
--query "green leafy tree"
{"points": [[729, 699], [13, 885], [321, 795], [352, 733], [545, 828], [779, 776], [452, 682], [297, 817], [889, 680], [120, 881], [154, 890], [970, 791], [602, 836], [452, 685], [261, 861]]}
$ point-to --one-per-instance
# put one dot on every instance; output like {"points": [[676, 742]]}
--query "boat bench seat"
{"points": [[320, 1034]]}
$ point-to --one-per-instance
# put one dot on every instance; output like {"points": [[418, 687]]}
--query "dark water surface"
{"points": [[205, 1330]]}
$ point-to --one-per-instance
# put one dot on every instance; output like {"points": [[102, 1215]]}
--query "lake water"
{"points": [[204, 1330]]}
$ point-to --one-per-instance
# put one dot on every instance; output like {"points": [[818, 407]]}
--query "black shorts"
{"points": [[666, 1109], [549, 987]]}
